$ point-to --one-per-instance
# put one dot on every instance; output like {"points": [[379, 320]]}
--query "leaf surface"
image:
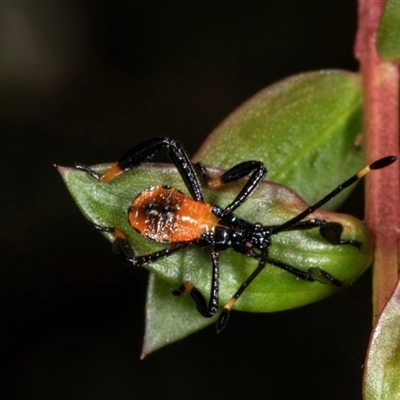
{"points": [[388, 38], [307, 130], [273, 290]]}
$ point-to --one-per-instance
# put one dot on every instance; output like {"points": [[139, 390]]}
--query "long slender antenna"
{"points": [[381, 163]]}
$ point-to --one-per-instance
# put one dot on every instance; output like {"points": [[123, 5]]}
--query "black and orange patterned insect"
{"points": [[166, 215]]}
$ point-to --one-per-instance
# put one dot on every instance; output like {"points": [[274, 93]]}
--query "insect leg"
{"points": [[224, 316], [330, 231], [257, 170], [124, 252], [311, 275], [206, 310], [146, 151]]}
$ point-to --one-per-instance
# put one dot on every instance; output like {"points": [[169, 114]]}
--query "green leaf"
{"points": [[388, 39], [307, 129], [168, 318], [273, 290], [383, 365]]}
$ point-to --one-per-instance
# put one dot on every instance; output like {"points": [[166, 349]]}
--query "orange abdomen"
{"points": [[167, 215]]}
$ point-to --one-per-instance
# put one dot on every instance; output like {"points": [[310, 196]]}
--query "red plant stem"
{"points": [[381, 106]]}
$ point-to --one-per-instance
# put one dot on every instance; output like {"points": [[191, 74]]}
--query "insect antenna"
{"points": [[381, 163]]}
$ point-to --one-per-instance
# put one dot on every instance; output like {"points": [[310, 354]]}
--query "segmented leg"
{"points": [[330, 231], [311, 275], [206, 310], [146, 151], [235, 173], [225, 313], [124, 252]]}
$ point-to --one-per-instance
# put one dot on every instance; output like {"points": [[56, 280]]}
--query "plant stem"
{"points": [[381, 125]]}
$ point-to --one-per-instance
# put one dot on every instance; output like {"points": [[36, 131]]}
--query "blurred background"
{"points": [[86, 81]]}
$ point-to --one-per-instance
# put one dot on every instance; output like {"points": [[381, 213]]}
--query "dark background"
{"points": [[86, 81]]}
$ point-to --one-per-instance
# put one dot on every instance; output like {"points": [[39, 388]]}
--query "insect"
{"points": [[166, 215]]}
